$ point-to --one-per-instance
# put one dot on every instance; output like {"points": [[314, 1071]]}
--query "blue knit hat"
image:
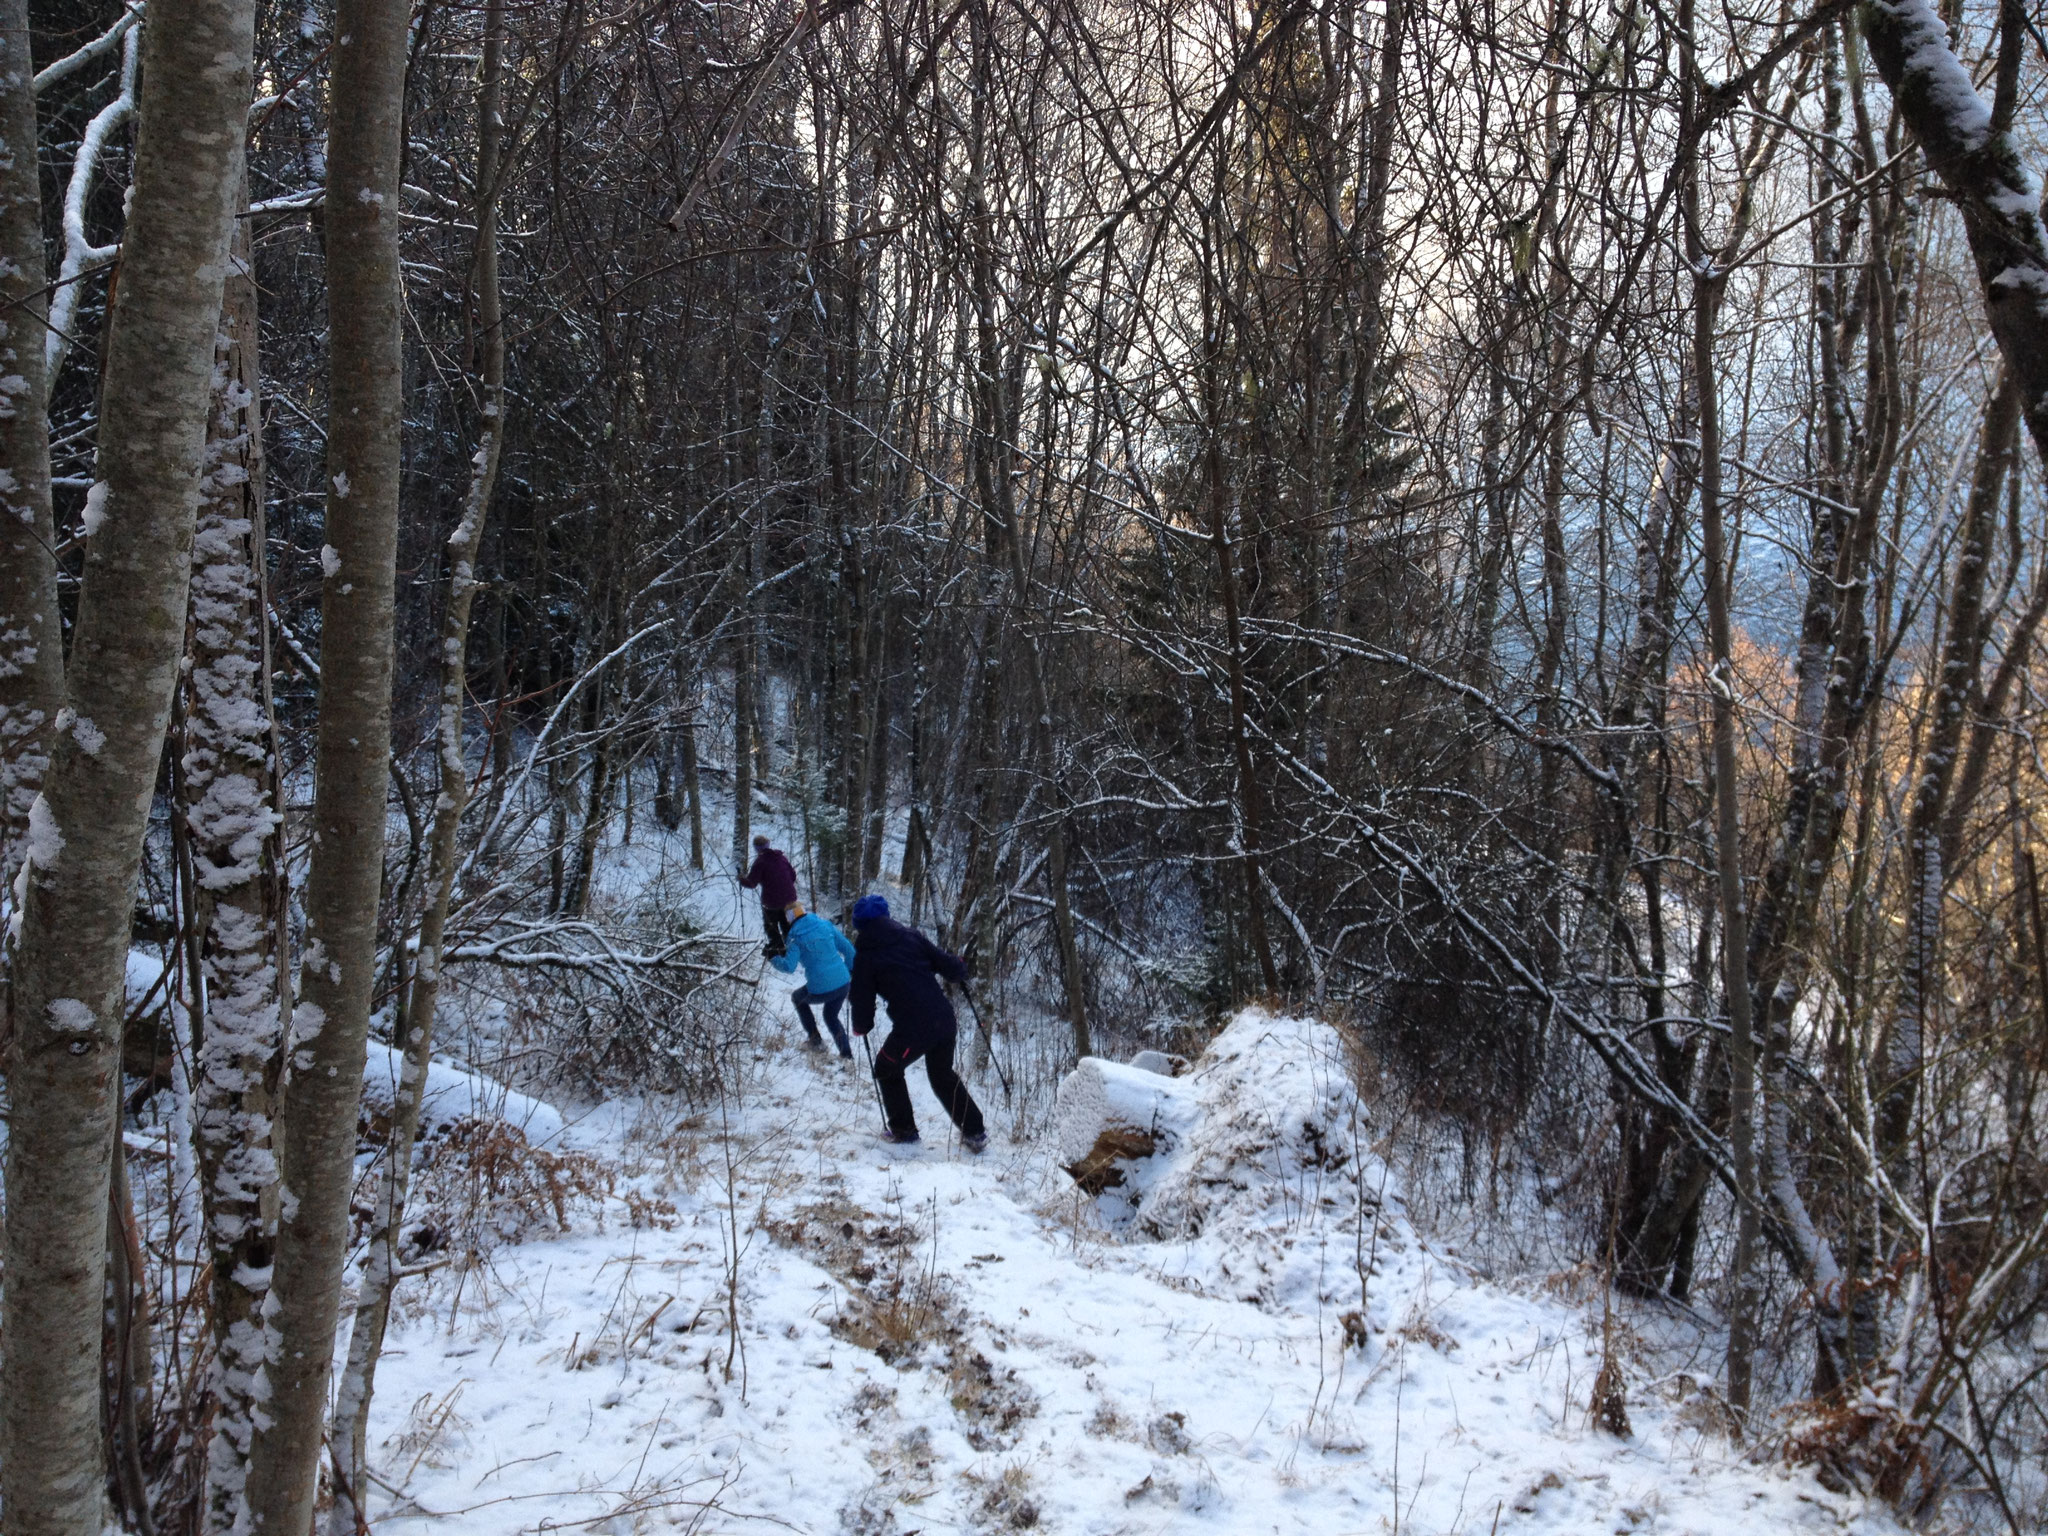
{"points": [[869, 908]]}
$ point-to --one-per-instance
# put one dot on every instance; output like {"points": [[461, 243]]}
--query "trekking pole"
{"points": [[875, 1082], [993, 1059]]}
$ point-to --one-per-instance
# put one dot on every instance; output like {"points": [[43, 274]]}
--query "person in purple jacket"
{"points": [[775, 877]]}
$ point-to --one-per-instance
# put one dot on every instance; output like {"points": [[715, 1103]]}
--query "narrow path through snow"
{"points": [[937, 1343]]}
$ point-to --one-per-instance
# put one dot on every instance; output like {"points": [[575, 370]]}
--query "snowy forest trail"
{"points": [[930, 1342]]}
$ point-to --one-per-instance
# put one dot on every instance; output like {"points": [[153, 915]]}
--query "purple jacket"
{"points": [[775, 876]]}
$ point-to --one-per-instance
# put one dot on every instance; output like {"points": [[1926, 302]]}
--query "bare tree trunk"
{"points": [[1498, 534], [876, 815], [558, 831], [230, 811], [1728, 862], [31, 634], [1708, 286], [1550, 684], [1953, 684], [1635, 718], [350, 1438], [352, 757], [665, 811], [853, 722], [693, 787], [84, 840], [1240, 736], [596, 807], [911, 875], [742, 748]]}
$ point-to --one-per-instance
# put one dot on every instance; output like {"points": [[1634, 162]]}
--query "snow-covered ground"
{"points": [[930, 1342]]}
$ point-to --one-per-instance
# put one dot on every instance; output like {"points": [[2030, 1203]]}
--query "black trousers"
{"points": [[775, 923], [894, 1059]]}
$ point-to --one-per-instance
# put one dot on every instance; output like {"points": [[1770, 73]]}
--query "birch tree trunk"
{"points": [[693, 787], [85, 829], [351, 761], [381, 1263], [1727, 861], [230, 810], [31, 634], [1903, 1050], [1709, 284]]}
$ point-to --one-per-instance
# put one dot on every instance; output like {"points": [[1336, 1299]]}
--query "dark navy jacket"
{"points": [[903, 967]]}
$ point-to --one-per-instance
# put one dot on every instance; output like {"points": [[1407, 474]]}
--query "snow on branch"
{"points": [[79, 252], [1980, 166], [574, 944], [71, 63]]}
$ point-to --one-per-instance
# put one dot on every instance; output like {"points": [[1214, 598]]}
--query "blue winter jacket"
{"points": [[903, 967], [821, 950]]}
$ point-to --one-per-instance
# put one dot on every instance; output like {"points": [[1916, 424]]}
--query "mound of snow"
{"points": [[1255, 1160], [454, 1094]]}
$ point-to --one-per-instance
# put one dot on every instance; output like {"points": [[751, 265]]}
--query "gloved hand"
{"points": [[772, 950]]}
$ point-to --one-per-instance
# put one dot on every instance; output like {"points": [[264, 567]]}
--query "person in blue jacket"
{"points": [[825, 956], [903, 967]]}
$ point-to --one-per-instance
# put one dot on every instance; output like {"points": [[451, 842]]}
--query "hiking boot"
{"points": [[975, 1144], [814, 1044], [901, 1139]]}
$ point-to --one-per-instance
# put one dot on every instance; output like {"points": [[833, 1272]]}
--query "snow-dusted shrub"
{"points": [[481, 1182]]}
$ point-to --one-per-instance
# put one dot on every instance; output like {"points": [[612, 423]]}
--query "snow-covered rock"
{"points": [[1109, 1118]]}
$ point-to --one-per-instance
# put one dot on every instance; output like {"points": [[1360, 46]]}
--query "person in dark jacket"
{"points": [[775, 877], [903, 967]]}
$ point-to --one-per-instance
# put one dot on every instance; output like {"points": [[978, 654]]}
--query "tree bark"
{"points": [[1708, 285], [1248, 798], [742, 749], [693, 788], [596, 806], [1728, 862], [1901, 1059], [84, 839], [31, 633], [228, 776], [352, 756], [381, 1263]]}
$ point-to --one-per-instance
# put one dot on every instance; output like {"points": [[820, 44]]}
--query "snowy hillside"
{"points": [[929, 1342]]}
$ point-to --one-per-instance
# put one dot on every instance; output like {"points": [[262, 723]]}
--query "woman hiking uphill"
{"points": [[775, 877], [903, 967], [825, 956]]}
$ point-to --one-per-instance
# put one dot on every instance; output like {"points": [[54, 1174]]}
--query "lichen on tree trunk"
{"points": [[85, 829]]}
